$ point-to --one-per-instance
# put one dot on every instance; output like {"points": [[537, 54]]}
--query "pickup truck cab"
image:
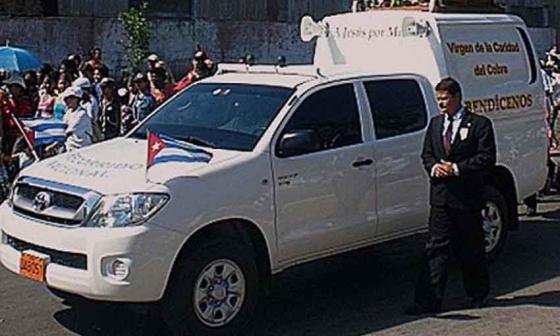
{"points": [[307, 162]]}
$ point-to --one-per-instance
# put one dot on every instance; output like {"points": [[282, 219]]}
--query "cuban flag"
{"points": [[44, 131], [163, 150]]}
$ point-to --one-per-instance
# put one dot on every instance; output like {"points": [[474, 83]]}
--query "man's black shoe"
{"points": [[416, 309]]}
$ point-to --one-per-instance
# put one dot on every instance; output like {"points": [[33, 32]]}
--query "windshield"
{"points": [[227, 116]]}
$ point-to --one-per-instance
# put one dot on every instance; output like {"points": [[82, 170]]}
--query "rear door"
{"points": [[325, 199], [400, 117]]}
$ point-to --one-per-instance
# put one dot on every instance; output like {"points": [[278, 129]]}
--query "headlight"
{"points": [[126, 210]]}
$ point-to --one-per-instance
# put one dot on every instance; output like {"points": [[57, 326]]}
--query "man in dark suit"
{"points": [[459, 149]]}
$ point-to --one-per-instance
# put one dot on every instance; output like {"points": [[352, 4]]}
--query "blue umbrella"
{"points": [[20, 60]]}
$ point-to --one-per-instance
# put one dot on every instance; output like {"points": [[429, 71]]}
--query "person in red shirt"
{"points": [[202, 67], [160, 88], [17, 105]]}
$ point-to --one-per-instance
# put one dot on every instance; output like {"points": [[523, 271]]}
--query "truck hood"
{"points": [[116, 166]]}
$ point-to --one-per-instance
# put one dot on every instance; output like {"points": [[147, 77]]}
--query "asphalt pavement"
{"points": [[356, 294]]}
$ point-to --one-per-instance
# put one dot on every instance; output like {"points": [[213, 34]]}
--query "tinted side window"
{"points": [[529, 54], [397, 107], [332, 114]]}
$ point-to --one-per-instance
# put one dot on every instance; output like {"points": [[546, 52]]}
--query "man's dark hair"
{"points": [[450, 85]]}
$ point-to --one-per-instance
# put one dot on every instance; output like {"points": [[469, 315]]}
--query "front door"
{"points": [[325, 198]]}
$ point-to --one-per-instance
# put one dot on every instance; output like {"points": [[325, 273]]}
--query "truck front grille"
{"points": [[59, 199], [53, 203], [74, 260], [47, 218]]}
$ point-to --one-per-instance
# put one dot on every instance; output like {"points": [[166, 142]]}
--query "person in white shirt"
{"points": [[90, 103], [79, 127]]}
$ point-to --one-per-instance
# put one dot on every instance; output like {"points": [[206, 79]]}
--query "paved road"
{"points": [[357, 294]]}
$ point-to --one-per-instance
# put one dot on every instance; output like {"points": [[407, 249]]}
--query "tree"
{"points": [[137, 36]]}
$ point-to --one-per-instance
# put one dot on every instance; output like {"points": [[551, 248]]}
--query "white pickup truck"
{"points": [[307, 162]]}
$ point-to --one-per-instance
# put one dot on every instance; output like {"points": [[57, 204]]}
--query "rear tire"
{"points": [[495, 222], [214, 291]]}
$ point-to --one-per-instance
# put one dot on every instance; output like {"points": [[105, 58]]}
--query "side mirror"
{"points": [[298, 142]]}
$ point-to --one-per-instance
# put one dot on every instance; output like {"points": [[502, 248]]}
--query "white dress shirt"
{"points": [[456, 119]]}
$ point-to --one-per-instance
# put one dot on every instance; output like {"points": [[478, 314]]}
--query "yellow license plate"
{"points": [[32, 267]]}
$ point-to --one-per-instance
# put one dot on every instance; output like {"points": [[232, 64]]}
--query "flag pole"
{"points": [[27, 141], [147, 156]]}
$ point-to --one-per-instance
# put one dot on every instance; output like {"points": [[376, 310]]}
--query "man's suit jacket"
{"points": [[474, 152]]}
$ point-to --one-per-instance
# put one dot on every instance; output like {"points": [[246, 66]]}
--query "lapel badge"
{"points": [[463, 133]]}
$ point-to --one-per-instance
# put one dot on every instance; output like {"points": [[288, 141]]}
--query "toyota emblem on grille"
{"points": [[42, 201]]}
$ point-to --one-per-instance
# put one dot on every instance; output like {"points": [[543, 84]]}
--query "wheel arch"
{"points": [[501, 178], [240, 228]]}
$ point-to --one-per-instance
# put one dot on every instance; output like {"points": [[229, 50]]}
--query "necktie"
{"points": [[448, 136]]}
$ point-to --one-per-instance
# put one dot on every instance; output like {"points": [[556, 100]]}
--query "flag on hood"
{"points": [[163, 149]]}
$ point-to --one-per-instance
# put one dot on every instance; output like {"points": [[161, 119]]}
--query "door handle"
{"points": [[362, 163]]}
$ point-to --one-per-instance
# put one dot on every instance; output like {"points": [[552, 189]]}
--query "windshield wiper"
{"points": [[198, 141]]}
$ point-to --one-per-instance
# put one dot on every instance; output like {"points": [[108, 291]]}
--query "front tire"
{"points": [[215, 290], [495, 222]]}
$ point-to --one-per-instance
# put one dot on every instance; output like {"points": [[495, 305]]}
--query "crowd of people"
{"points": [[550, 71], [82, 94]]}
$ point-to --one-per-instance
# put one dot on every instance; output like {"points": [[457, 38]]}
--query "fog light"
{"points": [[118, 269]]}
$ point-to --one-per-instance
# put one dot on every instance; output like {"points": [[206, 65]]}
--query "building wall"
{"points": [[91, 8], [174, 39], [538, 14], [543, 39], [238, 10], [21, 7], [87, 23]]}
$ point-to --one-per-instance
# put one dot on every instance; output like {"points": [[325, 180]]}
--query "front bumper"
{"points": [[79, 257]]}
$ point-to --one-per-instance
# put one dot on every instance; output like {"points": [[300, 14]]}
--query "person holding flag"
{"points": [[17, 105]]}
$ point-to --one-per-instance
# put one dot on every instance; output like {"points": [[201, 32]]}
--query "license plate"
{"points": [[33, 265]]}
